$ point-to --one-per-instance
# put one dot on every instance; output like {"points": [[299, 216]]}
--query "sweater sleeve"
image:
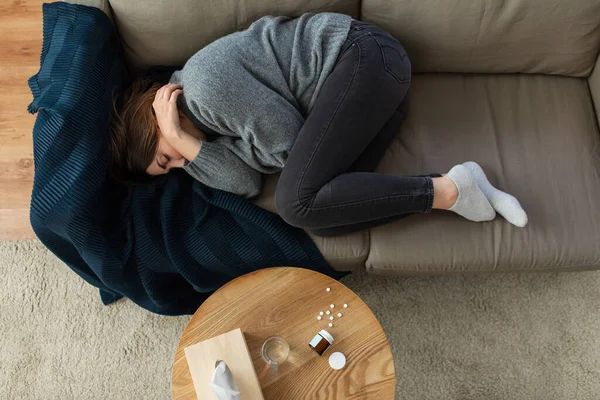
{"points": [[220, 168]]}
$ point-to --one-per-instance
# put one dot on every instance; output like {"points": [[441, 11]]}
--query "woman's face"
{"points": [[166, 156]]}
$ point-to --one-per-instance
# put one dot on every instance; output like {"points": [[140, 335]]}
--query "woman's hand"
{"points": [[169, 119], [165, 109]]}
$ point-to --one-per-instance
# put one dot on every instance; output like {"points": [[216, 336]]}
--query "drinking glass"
{"points": [[275, 350]]}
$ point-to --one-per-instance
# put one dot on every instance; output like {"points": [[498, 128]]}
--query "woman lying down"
{"points": [[318, 98]]}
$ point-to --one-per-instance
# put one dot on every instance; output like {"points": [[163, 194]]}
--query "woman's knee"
{"points": [[284, 204], [290, 209]]}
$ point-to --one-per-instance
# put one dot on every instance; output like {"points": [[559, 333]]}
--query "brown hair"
{"points": [[133, 136]]}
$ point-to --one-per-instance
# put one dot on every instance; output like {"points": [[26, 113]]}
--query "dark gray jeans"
{"points": [[327, 185]]}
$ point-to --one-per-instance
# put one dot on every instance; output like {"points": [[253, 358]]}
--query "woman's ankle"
{"points": [[445, 193]]}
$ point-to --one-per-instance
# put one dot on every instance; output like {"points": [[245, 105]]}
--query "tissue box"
{"points": [[230, 347]]}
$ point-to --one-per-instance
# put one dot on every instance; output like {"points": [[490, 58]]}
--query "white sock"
{"points": [[471, 202], [506, 205]]}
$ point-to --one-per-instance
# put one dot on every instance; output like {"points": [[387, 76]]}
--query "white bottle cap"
{"points": [[326, 335], [337, 360]]}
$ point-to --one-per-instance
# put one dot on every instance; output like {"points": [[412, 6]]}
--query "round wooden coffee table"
{"points": [[286, 302]]}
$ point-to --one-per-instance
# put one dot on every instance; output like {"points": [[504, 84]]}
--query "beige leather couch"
{"points": [[511, 84]]}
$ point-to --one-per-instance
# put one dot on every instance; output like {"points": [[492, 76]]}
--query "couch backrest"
{"points": [[493, 36], [101, 4], [594, 82], [167, 32]]}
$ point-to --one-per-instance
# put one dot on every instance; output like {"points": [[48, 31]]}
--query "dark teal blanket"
{"points": [[165, 245]]}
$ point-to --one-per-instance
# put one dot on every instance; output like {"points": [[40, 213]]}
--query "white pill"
{"points": [[345, 305], [330, 325], [319, 317], [328, 312], [339, 314], [321, 313], [332, 306], [337, 360], [328, 289], [331, 318]]}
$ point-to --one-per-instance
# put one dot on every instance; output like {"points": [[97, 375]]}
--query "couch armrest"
{"points": [[104, 5], [594, 82]]}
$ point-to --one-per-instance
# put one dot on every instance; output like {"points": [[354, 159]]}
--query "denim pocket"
{"points": [[395, 59]]}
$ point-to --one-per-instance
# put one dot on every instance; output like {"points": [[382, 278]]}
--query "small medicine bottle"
{"points": [[321, 342]]}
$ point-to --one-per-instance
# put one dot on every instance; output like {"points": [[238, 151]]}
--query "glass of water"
{"points": [[275, 350]]}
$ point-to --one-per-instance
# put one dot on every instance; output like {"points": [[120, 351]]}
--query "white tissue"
{"points": [[222, 384]]}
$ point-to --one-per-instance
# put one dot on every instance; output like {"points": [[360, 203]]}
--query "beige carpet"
{"points": [[534, 336]]}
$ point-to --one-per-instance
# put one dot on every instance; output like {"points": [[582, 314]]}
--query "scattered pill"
{"points": [[345, 305], [330, 325], [332, 306], [328, 289], [319, 317], [331, 318], [328, 312], [339, 314], [321, 313]]}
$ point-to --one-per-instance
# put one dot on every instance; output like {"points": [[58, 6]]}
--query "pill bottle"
{"points": [[321, 342]]}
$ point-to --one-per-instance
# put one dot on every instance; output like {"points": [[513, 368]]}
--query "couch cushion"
{"points": [[594, 82], [344, 253], [536, 137], [168, 33], [534, 36]]}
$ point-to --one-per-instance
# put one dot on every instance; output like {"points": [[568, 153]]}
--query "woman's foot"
{"points": [[506, 205], [458, 192]]}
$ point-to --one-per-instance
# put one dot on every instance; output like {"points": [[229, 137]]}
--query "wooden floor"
{"points": [[20, 44]]}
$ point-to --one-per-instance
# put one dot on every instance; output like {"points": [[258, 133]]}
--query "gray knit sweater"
{"points": [[254, 89]]}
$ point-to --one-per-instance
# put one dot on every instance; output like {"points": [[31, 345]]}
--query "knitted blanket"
{"points": [[166, 244]]}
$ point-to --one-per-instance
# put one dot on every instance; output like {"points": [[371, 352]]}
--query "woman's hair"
{"points": [[133, 136]]}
